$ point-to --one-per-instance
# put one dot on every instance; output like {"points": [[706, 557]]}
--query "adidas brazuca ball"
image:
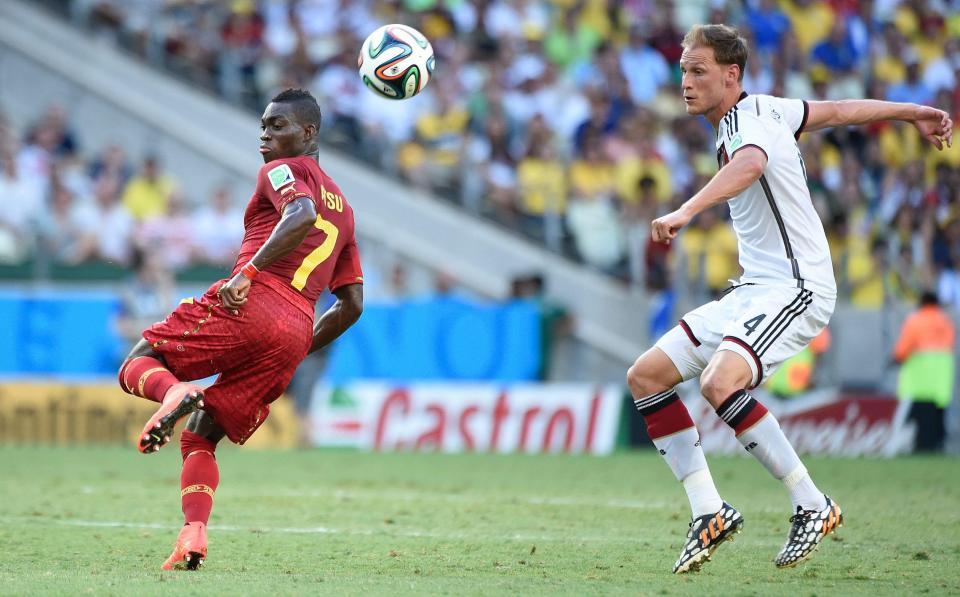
{"points": [[396, 61]]}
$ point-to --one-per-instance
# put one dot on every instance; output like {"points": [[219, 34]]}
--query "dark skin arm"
{"points": [[339, 317], [295, 223]]}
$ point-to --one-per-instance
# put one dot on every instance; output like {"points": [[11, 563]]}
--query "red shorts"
{"points": [[255, 352]]}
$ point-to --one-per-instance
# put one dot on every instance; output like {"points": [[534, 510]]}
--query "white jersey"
{"points": [[779, 235]]}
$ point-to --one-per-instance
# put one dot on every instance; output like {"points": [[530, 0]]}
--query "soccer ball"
{"points": [[396, 61]]}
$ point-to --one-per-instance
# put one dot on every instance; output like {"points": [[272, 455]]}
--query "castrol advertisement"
{"points": [[524, 418]]}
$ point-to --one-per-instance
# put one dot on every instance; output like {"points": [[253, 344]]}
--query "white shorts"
{"points": [[766, 325]]}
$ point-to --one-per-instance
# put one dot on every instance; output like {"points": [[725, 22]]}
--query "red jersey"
{"points": [[327, 257]]}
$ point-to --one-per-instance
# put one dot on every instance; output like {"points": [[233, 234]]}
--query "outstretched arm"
{"points": [[294, 225], [339, 317], [934, 125], [744, 169]]}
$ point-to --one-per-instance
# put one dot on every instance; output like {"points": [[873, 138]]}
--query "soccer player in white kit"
{"points": [[783, 300]]}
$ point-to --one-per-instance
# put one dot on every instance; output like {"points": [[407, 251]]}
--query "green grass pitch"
{"points": [[100, 521]]}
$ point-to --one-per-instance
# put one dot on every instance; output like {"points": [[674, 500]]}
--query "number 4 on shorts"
{"points": [[751, 324]]}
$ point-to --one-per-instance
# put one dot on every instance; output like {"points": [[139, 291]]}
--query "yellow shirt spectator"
{"points": [[711, 253], [147, 194], [443, 133], [949, 155], [865, 277], [890, 69], [542, 185], [629, 172], [810, 23], [899, 144], [592, 178]]}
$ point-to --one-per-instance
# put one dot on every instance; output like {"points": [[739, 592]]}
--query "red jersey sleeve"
{"points": [[282, 181], [347, 269]]}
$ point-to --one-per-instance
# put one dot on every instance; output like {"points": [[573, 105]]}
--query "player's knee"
{"points": [[716, 386], [191, 442], [121, 374], [642, 381]]}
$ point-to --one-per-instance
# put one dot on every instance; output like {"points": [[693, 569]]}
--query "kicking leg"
{"points": [[199, 479], [723, 384], [652, 379], [145, 373]]}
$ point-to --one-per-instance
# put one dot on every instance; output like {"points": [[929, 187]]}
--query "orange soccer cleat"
{"points": [[191, 548], [180, 400]]}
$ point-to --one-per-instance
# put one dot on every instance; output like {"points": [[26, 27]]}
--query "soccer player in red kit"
{"points": [[255, 327]]}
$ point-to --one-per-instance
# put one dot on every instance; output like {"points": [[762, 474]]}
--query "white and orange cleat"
{"points": [[807, 530], [181, 399], [191, 548]]}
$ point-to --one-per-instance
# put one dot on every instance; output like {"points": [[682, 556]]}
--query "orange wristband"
{"points": [[249, 270]]}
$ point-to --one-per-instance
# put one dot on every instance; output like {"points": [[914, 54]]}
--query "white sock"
{"points": [[803, 492], [766, 441], [685, 458], [702, 493]]}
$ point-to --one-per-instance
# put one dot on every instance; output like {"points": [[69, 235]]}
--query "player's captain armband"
{"points": [[279, 176]]}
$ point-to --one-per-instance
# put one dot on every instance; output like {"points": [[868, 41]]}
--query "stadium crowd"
{"points": [[558, 118]]}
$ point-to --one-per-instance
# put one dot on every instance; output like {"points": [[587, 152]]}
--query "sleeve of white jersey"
{"points": [[795, 114], [746, 128]]}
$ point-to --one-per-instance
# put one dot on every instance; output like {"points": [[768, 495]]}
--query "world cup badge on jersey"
{"points": [[280, 176]]}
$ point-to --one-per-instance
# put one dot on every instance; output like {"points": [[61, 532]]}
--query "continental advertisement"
{"points": [[101, 413], [467, 417]]}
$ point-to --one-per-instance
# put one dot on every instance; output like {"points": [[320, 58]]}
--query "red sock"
{"points": [[146, 377], [199, 477]]}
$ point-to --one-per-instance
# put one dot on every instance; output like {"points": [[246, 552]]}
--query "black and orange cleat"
{"points": [[706, 534], [807, 531], [181, 399], [190, 550]]}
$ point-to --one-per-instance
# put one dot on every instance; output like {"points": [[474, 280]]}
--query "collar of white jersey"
{"points": [[743, 96]]}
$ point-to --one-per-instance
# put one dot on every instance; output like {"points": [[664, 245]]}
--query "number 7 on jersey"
{"points": [[318, 255]]}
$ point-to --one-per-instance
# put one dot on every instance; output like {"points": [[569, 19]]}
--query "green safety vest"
{"points": [[927, 377]]}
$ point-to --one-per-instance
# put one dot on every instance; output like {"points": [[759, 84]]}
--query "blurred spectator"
{"points": [[867, 267], [912, 89], [147, 194], [810, 22], [646, 69], [638, 213], [112, 163], [768, 23], [62, 229], [240, 52], [592, 215], [433, 158], [542, 193], [53, 133], [338, 88], [710, 250], [218, 229], [837, 52], [107, 226], [169, 234], [572, 40], [148, 297], [924, 351], [22, 207]]}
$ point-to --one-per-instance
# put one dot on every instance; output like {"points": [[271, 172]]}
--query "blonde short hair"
{"points": [[729, 47]]}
